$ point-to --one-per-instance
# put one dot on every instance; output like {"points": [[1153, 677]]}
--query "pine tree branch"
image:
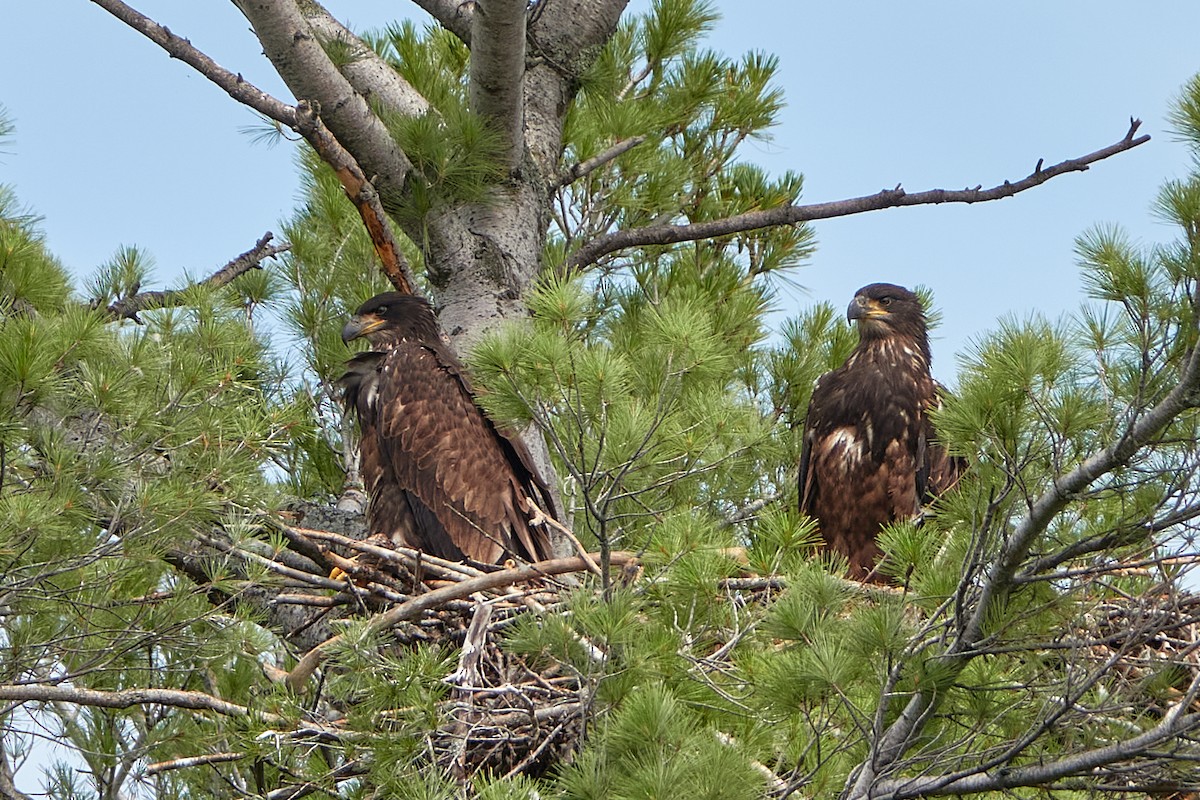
{"points": [[1045, 775], [497, 73], [128, 698], [583, 168], [312, 76], [129, 307], [750, 510], [564, 39], [8, 786], [453, 15], [792, 214], [369, 74], [177, 47], [438, 597]]}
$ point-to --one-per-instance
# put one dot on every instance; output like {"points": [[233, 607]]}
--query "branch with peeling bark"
{"points": [[361, 193], [790, 215], [129, 307]]}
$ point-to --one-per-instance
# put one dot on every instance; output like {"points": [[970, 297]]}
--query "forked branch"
{"points": [[303, 119], [438, 597]]}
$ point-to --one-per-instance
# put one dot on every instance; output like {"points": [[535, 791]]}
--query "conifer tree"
{"points": [[164, 603]]}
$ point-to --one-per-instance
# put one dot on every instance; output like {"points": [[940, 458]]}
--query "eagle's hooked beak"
{"points": [[360, 326], [864, 308]]}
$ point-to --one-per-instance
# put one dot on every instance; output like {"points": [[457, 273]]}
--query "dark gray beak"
{"points": [[352, 330], [857, 308]]}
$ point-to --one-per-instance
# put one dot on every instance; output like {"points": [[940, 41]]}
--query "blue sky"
{"points": [[118, 144]]}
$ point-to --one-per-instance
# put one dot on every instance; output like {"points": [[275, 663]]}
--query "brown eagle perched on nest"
{"points": [[869, 456], [440, 476]]}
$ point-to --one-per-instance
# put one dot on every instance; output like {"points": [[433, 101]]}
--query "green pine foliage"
{"points": [[670, 408], [139, 464], [120, 444]]}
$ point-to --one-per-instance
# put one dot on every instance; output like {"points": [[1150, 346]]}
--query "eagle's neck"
{"points": [[391, 339], [893, 351]]}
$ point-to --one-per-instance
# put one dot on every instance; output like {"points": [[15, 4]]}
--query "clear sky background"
{"points": [[118, 144]]}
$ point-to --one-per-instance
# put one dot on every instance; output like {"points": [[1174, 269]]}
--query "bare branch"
{"points": [[430, 600], [192, 761], [177, 47], [127, 698], [791, 214], [129, 307], [362, 194], [582, 168], [1044, 774], [750, 510]]}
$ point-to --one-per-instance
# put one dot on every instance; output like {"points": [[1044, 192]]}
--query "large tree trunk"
{"points": [[525, 67]]}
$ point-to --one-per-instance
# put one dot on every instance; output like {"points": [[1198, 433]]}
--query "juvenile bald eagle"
{"points": [[869, 454], [440, 476]]}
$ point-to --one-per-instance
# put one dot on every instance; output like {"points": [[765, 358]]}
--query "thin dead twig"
{"points": [[430, 600]]}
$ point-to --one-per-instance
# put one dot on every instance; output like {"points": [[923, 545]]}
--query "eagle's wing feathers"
{"points": [[939, 468], [441, 446]]}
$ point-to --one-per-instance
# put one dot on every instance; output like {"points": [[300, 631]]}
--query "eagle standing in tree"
{"points": [[869, 456], [440, 476]]}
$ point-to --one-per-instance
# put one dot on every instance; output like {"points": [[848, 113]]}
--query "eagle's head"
{"points": [[887, 310], [389, 318]]}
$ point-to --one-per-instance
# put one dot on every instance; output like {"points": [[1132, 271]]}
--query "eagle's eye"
{"points": [[381, 310], [885, 301]]}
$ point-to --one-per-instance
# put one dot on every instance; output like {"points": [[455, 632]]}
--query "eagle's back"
{"points": [[441, 477]]}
